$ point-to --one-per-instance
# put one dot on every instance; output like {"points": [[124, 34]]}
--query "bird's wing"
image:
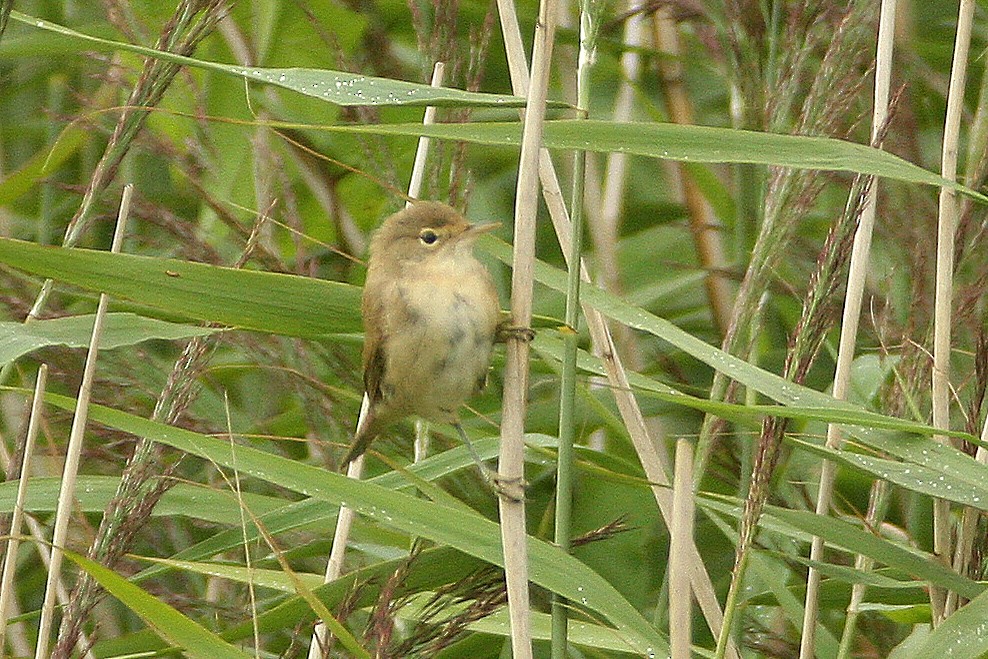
{"points": [[374, 361], [373, 356]]}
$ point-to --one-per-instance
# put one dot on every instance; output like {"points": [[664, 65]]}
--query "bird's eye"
{"points": [[428, 236]]}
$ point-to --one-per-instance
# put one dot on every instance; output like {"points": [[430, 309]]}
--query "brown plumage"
{"points": [[430, 315]]}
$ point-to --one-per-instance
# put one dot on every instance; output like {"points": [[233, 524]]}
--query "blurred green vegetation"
{"points": [[216, 183]]}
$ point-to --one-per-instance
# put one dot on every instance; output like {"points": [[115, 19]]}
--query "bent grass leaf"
{"points": [[799, 401], [551, 568], [651, 139], [801, 525], [960, 479], [282, 304], [199, 502], [963, 635], [119, 330], [550, 346], [433, 568], [689, 143], [872, 579], [581, 633], [336, 87], [318, 514], [843, 534], [175, 628]]}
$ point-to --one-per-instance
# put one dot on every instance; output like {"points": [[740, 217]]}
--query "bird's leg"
{"points": [[510, 488], [513, 488], [484, 469]]}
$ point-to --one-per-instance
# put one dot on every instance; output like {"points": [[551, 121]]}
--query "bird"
{"points": [[430, 315]]}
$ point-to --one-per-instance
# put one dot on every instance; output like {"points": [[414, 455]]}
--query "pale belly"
{"points": [[443, 351]]}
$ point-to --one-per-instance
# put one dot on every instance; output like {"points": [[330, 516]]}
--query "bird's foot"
{"points": [[512, 489], [506, 332]]}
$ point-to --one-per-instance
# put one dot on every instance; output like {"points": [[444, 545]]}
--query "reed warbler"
{"points": [[430, 313]]}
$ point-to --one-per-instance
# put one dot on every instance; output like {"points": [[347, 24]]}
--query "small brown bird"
{"points": [[430, 314]]}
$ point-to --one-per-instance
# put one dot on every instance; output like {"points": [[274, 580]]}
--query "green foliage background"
{"points": [[273, 179]]}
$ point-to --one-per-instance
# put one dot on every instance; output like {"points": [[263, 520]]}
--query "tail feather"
{"points": [[367, 430], [357, 449]]}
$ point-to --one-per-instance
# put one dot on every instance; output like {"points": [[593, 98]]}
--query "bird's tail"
{"points": [[357, 449], [367, 430]]}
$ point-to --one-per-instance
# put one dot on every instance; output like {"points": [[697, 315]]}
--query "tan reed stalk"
{"points": [[17, 519], [189, 24], [604, 206], [657, 468], [511, 462], [73, 452], [40, 537], [858, 270], [946, 231], [680, 544], [703, 225], [710, 253], [968, 528]]}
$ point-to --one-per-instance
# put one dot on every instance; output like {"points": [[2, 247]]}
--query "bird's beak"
{"points": [[478, 229]]}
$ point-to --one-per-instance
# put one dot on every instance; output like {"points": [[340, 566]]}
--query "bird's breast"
{"points": [[440, 345]]}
